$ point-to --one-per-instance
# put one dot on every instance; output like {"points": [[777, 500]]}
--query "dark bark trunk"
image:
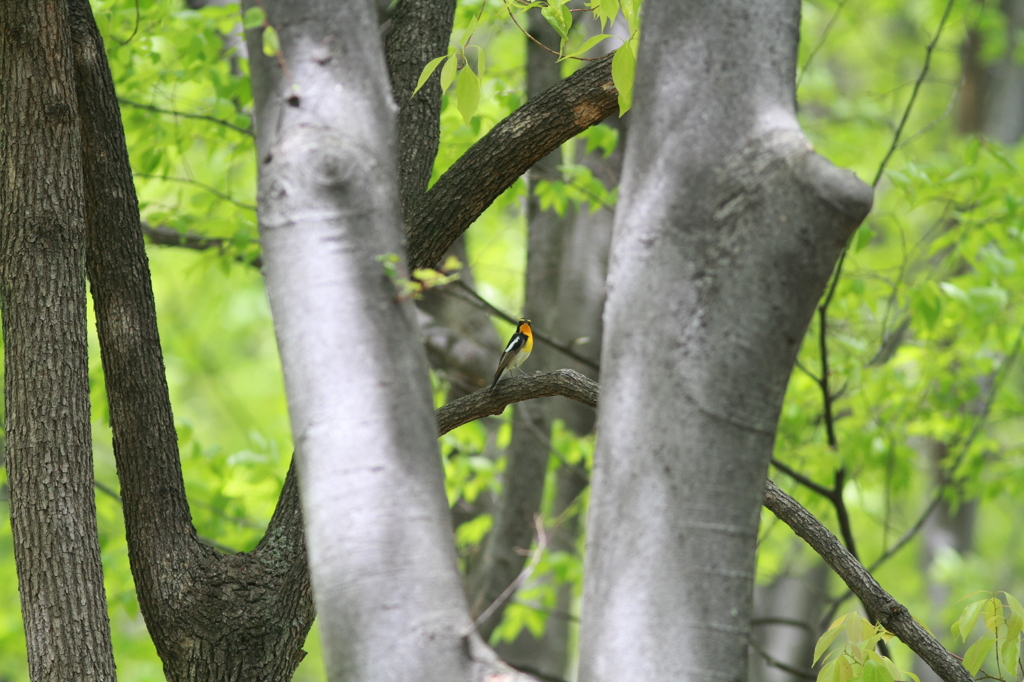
{"points": [[211, 616], [419, 32], [48, 446]]}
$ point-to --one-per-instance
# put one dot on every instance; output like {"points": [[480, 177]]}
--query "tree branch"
{"points": [[470, 295], [185, 114], [880, 604], [527, 135], [486, 402]]}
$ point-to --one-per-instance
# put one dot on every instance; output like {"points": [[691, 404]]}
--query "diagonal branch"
{"points": [[524, 137], [890, 613], [880, 604]]}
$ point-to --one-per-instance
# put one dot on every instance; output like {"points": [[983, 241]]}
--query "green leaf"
{"points": [[894, 672], [271, 41], [587, 46], [623, 70], [958, 294], [824, 642], [862, 237], [427, 71], [254, 17], [969, 616], [448, 71], [828, 673], [467, 93], [559, 16], [1010, 651], [481, 61], [1015, 605], [854, 628], [977, 652], [876, 672], [844, 669]]}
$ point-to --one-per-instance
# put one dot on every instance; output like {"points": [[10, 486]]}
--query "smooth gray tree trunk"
{"points": [[727, 229], [381, 554]]}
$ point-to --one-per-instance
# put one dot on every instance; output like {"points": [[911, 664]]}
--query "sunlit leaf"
{"points": [[467, 93], [271, 41]]}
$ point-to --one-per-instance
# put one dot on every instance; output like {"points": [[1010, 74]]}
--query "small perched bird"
{"points": [[518, 349]]}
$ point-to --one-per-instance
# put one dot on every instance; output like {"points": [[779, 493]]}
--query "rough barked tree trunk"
{"points": [[381, 555], [212, 616], [46, 385], [726, 233]]}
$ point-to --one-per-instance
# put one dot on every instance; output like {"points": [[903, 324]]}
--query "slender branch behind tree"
{"points": [[48, 448], [505, 549]]}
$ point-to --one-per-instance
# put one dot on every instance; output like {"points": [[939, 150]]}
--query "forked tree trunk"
{"points": [[727, 229], [48, 446]]}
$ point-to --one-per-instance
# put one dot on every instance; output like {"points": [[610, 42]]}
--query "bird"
{"points": [[517, 350]]}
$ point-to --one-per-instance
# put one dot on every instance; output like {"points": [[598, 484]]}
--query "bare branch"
{"points": [[486, 402], [527, 135], [185, 114], [880, 604]]}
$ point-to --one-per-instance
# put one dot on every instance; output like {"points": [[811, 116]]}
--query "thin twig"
{"points": [[913, 94], [801, 479], [776, 663], [821, 42], [531, 565], [202, 185], [557, 54], [138, 16], [183, 114], [476, 299]]}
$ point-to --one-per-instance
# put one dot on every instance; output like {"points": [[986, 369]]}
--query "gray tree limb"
{"points": [[890, 613]]}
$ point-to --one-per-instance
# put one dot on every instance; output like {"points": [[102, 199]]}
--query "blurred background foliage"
{"points": [[922, 331]]}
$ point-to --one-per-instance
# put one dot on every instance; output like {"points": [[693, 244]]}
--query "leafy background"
{"points": [[923, 328]]}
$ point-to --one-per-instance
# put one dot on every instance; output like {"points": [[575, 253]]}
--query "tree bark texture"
{"points": [[727, 229], [501, 156], [211, 616], [381, 556], [48, 447], [419, 31]]}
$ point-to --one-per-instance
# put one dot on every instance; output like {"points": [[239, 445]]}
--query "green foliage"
{"points": [[1002, 637], [857, 660], [422, 278]]}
